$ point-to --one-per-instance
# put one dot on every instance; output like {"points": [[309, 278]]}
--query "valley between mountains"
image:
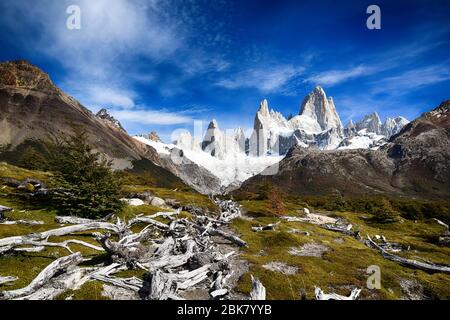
{"points": [[299, 207]]}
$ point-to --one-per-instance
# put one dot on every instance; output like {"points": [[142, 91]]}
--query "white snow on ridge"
{"points": [[363, 140], [161, 148], [233, 169]]}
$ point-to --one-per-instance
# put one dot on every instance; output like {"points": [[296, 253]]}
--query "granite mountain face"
{"points": [[33, 109], [413, 163], [234, 157]]}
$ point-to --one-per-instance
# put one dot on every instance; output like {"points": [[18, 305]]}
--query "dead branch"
{"points": [[24, 222], [4, 280], [266, 227], [320, 295], [44, 276], [161, 286], [258, 290], [428, 267], [7, 244], [72, 220]]}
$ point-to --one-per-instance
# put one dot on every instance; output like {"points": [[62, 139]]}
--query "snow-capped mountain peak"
{"points": [[350, 124], [233, 157], [393, 126], [318, 107]]}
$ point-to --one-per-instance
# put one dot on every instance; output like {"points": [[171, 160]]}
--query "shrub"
{"points": [[274, 203], [32, 159], [89, 187], [385, 213]]}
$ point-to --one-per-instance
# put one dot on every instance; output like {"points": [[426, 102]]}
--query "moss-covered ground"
{"points": [[345, 265], [338, 270]]}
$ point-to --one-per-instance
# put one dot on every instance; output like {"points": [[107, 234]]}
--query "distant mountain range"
{"points": [[413, 163], [315, 153], [233, 157]]}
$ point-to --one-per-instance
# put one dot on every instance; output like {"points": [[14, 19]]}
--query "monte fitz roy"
{"points": [[234, 157]]}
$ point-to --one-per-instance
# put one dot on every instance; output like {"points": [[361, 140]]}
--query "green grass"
{"points": [[183, 197], [342, 266], [10, 171], [345, 264]]}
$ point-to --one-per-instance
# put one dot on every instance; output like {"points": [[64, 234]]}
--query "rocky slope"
{"points": [[32, 108], [415, 163]]}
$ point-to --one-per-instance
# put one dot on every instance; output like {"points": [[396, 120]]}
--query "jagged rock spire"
{"points": [[318, 107], [107, 118]]}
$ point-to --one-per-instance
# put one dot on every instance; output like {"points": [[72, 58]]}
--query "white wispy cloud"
{"points": [[413, 79], [105, 96], [332, 77], [266, 80]]}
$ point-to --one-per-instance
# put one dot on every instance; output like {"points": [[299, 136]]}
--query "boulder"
{"points": [[157, 202], [145, 196], [135, 202]]}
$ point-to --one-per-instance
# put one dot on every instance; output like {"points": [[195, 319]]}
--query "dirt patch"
{"points": [[281, 267], [309, 250]]}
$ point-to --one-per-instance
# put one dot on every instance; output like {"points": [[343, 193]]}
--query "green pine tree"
{"points": [[89, 187]]}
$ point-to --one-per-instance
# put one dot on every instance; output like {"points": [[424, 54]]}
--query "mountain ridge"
{"points": [[413, 163]]}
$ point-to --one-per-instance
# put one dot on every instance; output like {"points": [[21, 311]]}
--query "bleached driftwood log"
{"points": [[320, 295], [170, 260], [70, 280], [345, 229], [217, 232], [132, 283], [4, 280], [37, 246], [258, 290], [23, 222], [425, 266], [44, 276], [266, 227], [441, 223], [160, 286], [72, 220], [7, 244], [189, 279]]}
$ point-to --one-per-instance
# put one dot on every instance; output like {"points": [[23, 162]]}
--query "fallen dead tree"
{"points": [[39, 239], [44, 276], [320, 295], [425, 266], [4, 280], [267, 227], [342, 228], [23, 222], [229, 209], [179, 255]]}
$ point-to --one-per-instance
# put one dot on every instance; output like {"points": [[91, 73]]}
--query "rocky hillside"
{"points": [[414, 163], [33, 109]]}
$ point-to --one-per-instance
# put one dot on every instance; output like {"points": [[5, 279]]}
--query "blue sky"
{"points": [[160, 65]]}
